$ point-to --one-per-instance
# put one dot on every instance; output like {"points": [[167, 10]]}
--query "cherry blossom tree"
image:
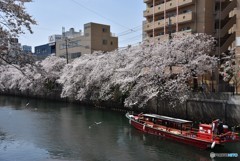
{"points": [[132, 76], [36, 79], [230, 70], [14, 20], [138, 74]]}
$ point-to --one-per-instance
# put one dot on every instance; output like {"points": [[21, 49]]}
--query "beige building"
{"points": [[96, 37], [237, 11], [213, 17], [219, 18]]}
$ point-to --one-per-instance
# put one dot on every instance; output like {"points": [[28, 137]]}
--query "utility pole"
{"points": [[66, 42], [153, 21], [219, 29], [169, 28], [219, 44]]}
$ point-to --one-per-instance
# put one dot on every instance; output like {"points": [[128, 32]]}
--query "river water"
{"points": [[37, 130]]}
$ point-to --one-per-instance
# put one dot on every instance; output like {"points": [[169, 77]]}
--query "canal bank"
{"points": [[37, 130], [200, 107]]}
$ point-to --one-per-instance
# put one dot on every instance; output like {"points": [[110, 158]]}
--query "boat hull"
{"points": [[179, 138]]}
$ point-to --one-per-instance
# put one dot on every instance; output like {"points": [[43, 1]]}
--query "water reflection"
{"points": [[58, 131]]}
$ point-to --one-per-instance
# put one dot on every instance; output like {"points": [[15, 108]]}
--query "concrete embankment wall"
{"points": [[200, 107], [203, 108], [51, 95]]}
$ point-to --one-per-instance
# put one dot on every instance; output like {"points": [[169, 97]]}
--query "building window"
{"points": [[111, 43], [44, 51], [186, 11], [104, 42], [75, 55], [86, 26], [62, 46], [71, 44], [104, 29], [186, 28]]}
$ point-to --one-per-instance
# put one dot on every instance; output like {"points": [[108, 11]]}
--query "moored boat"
{"points": [[206, 136]]}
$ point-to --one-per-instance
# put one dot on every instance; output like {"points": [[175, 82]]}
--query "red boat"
{"points": [[206, 136]]}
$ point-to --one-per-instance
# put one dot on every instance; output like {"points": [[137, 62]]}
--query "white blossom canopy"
{"points": [[132, 76], [139, 73]]}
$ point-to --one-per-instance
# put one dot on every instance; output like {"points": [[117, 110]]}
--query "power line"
{"points": [[131, 38], [132, 30], [99, 14], [129, 32]]}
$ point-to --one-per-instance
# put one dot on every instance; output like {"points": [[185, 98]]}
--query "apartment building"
{"points": [[213, 17], [219, 18], [96, 37], [237, 11]]}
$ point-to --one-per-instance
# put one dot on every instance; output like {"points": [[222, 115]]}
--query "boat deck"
{"points": [[168, 129], [180, 130], [187, 133]]}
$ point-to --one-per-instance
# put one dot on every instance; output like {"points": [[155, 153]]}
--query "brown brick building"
{"points": [[96, 37]]}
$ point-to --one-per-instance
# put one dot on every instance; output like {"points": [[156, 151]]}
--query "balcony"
{"points": [[161, 38], [186, 17], [159, 8], [183, 3], [148, 12], [170, 5], [185, 32], [160, 24], [148, 26], [182, 18]]}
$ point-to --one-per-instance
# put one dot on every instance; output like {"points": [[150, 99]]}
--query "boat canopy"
{"points": [[166, 118]]}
